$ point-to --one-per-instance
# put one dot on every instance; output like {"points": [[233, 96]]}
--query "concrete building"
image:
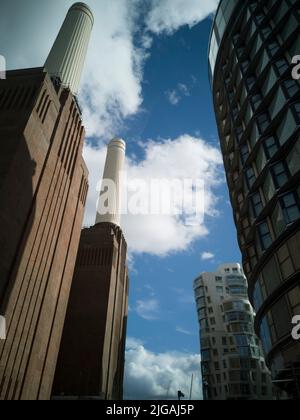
{"points": [[67, 56], [257, 104], [92, 354], [43, 185], [233, 366]]}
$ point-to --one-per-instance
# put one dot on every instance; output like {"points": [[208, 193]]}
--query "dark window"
{"points": [[244, 152], [256, 101], [251, 178], [270, 146], [280, 174], [266, 31], [273, 48], [297, 108], [265, 236], [257, 204], [290, 207], [250, 82], [263, 121], [281, 66], [292, 87]]}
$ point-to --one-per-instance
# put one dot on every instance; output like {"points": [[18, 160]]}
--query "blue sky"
{"points": [[146, 80]]}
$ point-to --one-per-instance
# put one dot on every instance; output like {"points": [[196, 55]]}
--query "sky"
{"points": [[146, 80]]}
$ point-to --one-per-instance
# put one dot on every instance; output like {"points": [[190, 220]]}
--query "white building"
{"points": [[233, 366]]}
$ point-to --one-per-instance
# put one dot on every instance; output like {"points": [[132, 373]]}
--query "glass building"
{"points": [[257, 105], [232, 361]]}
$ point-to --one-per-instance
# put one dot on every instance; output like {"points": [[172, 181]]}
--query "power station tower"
{"points": [[109, 205], [92, 353], [43, 189], [67, 56]]}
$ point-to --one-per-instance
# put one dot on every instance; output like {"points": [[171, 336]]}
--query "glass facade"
{"points": [[257, 104]]}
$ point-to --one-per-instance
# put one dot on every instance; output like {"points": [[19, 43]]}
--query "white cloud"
{"points": [[148, 309], [173, 97], [207, 256], [184, 331], [169, 15], [176, 95], [112, 82], [182, 158], [158, 376]]}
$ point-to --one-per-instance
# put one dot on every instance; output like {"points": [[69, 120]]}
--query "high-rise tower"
{"points": [[92, 353], [67, 56], [257, 104], [43, 187], [233, 366]]}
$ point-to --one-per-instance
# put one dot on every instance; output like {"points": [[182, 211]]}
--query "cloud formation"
{"points": [[114, 70], [148, 309], [176, 95], [159, 376], [120, 46], [183, 158], [167, 16], [207, 256]]}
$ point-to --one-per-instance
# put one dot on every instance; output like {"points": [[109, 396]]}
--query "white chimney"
{"points": [[109, 205], [67, 56]]}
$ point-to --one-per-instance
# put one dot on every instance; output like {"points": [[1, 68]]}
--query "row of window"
{"points": [[277, 323], [283, 264]]}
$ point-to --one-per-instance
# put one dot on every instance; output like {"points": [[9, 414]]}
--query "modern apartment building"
{"points": [[257, 105], [233, 366]]}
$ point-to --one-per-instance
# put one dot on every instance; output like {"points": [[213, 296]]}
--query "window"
{"points": [[244, 153], [290, 207], [273, 48], [281, 66], [265, 337], [256, 100], [266, 31], [271, 147], [265, 236], [238, 290], [292, 87], [217, 366], [257, 296], [257, 204], [202, 313], [200, 291], [205, 356], [219, 279], [250, 82], [212, 321], [241, 340], [263, 121], [280, 174], [251, 178], [220, 290]]}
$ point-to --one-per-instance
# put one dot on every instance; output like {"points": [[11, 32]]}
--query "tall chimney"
{"points": [[109, 206], [67, 56]]}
